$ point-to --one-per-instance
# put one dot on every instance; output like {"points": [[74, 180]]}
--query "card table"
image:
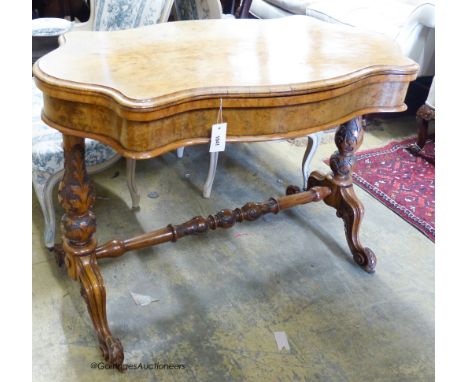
{"points": [[150, 90]]}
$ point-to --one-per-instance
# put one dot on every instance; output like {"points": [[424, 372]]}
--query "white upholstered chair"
{"points": [[411, 23]]}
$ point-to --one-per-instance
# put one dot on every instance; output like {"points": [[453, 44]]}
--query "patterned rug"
{"points": [[404, 182]]}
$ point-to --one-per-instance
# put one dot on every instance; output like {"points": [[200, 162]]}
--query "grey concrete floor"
{"points": [[223, 295]]}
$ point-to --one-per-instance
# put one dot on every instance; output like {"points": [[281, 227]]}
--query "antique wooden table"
{"points": [[150, 90]]}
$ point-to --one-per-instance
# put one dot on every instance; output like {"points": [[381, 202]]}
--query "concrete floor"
{"points": [[222, 296]]}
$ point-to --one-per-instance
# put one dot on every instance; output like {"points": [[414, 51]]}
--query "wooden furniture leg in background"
{"points": [[424, 115], [244, 9], [76, 195], [348, 138]]}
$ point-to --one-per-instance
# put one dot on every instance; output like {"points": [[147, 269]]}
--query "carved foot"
{"points": [[366, 260], [350, 209], [112, 351], [94, 293]]}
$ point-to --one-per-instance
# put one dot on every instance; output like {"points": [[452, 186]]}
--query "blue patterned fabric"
{"points": [[50, 26], [186, 9], [47, 151], [195, 10], [125, 14]]}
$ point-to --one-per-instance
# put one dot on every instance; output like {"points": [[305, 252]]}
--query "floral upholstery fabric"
{"points": [[125, 14], [194, 10], [186, 9], [49, 26], [47, 151]]}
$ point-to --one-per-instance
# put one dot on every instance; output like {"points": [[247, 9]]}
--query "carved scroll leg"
{"points": [[94, 293], [351, 211], [313, 141], [348, 138], [76, 195]]}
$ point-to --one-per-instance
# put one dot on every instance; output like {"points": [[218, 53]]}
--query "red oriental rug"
{"points": [[404, 182]]}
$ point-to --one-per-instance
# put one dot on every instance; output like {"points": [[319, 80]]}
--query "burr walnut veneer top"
{"points": [[159, 71], [154, 64]]}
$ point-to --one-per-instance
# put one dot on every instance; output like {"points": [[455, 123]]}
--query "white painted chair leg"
{"points": [[211, 175], [44, 195], [313, 141], [131, 164], [180, 152]]}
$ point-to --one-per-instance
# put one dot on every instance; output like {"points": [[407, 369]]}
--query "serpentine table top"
{"points": [[150, 90]]}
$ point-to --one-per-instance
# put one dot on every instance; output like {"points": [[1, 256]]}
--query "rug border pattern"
{"points": [[423, 226]]}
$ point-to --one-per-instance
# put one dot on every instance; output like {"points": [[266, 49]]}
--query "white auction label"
{"points": [[218, 137]]}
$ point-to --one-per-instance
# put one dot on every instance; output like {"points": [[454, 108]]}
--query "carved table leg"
{"points": [[348, 138], [76, 195]]}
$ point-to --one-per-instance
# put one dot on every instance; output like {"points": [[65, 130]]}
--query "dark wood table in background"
{"points": [[61, 9]]}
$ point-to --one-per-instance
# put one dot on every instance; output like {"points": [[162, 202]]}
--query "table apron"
{"points": [[145, 139]]}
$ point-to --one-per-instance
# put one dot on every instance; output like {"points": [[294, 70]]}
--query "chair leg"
{"points": [[211, 175], [180, 152], [131, 164], [313, 141], [44, 195]]}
